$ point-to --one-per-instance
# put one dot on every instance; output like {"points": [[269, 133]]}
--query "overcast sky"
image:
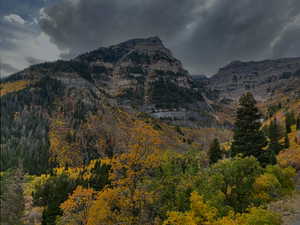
{"points": [[204, 34]]}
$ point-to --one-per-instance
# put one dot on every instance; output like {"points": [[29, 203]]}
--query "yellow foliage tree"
{"points": [[9, 87], [75, 208], [128, 199], [266, 187], [259, 216], [200, 213], [203, 214], [179, 218], [61, 151]]}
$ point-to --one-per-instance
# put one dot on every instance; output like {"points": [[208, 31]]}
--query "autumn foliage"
{"points": [[9, 87], [137, 180], [75, 208], [127, 201]]}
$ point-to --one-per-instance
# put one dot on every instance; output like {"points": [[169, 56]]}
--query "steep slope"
{"points": [[139, 74], [69, 112], [143, 74], [272, 82], [263, 78]]}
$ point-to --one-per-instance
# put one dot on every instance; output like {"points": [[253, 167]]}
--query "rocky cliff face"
{"points": [[139, 74], [272, 82], [263, 78]]}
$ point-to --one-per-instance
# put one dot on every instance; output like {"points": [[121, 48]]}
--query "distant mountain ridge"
{"points": [[263, 78], [272, 82]]}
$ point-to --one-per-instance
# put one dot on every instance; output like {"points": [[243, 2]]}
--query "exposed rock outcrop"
{"points": [[263, 78], [139, 74]]}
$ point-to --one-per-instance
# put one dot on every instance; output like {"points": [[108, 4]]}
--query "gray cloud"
{"points": [[21, 39], [205, 34], [7, 69], [239, 30], [92, 23], [288, 43], [33, 60]]}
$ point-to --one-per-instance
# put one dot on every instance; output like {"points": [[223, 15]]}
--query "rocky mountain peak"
{"points": [[129, 49], [138, 42], [139, 74]]}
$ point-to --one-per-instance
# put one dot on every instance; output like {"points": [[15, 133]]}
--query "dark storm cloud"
{"points": [[288, 43], [33, 60], [92, 23], [205, 34], [239, 29], [7, 69]]}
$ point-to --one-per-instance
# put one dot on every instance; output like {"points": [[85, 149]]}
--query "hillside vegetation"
{"points": [[6, 88], [147, 182]]}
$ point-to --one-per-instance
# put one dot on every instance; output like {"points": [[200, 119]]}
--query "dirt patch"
{"points": [[289, 207]]}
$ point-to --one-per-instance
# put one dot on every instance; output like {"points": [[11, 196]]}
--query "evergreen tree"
{"points": [[298, 123], [248, 139], [274, 136], [286, 141], [287, 126], [289, 121], [215, 152], [51, 194], [292, 117]]}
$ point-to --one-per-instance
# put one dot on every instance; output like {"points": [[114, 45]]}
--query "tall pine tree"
{"points": [[274, 136], [286, 141], [248, 138], [215, 152], [298, 123], [289, 121]]}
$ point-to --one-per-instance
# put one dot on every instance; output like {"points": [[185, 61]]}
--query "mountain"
{"points": [[263, 78], [274, 83], [66, 113], [139, 74]]}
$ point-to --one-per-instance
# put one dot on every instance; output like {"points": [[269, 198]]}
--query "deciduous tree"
{"points": [[75, 208]]}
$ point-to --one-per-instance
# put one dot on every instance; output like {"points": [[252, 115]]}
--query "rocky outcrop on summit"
{"points": [[263, 78]]}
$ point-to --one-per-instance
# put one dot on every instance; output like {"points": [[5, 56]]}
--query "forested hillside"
{"points": [[152, 184]]}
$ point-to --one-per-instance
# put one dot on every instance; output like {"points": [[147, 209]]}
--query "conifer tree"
{"points": [[286, 141], [248, 138], [215, 152], [287, 126], [298, 123], [274, 136], [289, 121], [292, 117]]}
